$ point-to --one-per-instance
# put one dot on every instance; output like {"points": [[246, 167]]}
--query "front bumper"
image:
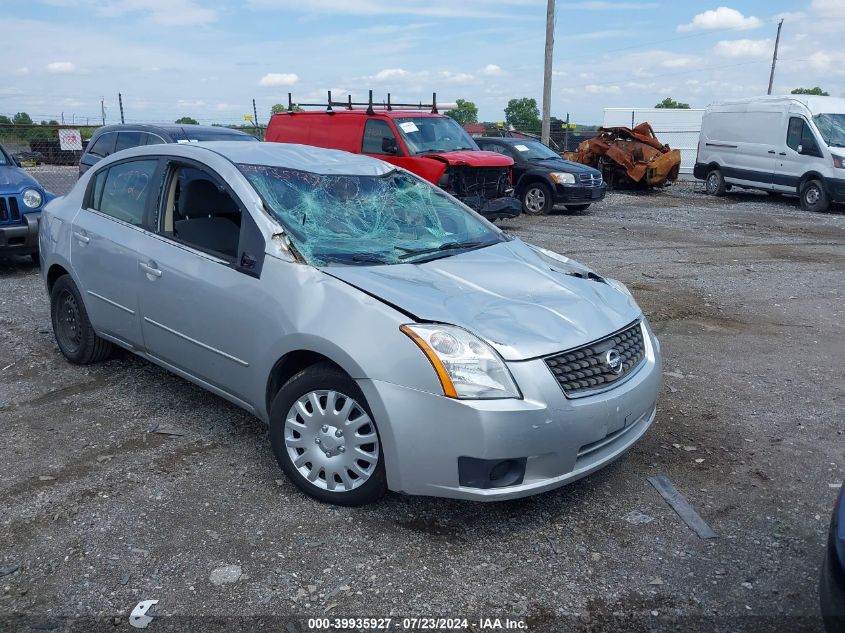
{"points": [[495, 208], [578, 194], [559, 440], [20, 238]]}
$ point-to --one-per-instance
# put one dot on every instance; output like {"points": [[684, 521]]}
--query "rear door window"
{"points": [[104, 146], [125, 190], [154, 139], [125, 140]]}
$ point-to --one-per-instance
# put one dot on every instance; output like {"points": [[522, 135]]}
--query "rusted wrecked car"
{"points": [[629, 157]]}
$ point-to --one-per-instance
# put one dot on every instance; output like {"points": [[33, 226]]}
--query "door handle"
{"points": [[782, 153], [150, 269], [81, 237], [771, 151]]}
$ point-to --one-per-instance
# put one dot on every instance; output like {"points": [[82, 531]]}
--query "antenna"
{"points": [[329, 107], [290, 103]]}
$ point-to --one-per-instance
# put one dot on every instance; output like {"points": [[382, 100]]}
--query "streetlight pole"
{"points": [[547, 71]]}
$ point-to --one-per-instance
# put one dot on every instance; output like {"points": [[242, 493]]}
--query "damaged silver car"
{"points": [[390, 336]]}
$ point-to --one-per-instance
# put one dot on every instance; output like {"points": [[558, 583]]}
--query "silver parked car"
{"points": [[389, 336]]}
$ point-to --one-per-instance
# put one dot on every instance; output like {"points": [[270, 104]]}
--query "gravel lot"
{"points": [[746, 295]]}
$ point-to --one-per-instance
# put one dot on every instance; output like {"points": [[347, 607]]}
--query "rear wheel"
{"points": [[74, 333], [325, 438], [537, 199], [814, 197], [577, 207], [714, 183]]}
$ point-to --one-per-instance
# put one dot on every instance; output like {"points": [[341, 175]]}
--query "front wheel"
{"points": [[715, 183], [537, 199], [325, 438], [577, 207], [72, 328], [814, 197]]}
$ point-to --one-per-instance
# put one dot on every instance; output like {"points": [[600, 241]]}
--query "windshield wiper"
{"points": [[343, 258], [439, 151], [448, 246]]}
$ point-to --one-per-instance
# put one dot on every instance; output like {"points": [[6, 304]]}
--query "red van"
{"points": [[427, 143]]}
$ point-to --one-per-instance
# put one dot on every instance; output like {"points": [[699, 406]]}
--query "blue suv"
{"points": [[21, 202]]}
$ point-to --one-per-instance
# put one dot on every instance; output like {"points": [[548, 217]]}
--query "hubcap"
{"points": [[331, 440], [69, 320], [535, 200], [812, 196], [712, 183]]}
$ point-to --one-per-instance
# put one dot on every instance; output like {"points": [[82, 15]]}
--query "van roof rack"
{"points": [[350, 105]]}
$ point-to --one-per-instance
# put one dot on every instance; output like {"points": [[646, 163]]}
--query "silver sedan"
{"points": [[390, 337]]}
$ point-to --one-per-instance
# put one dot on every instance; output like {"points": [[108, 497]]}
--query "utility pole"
{"points": [[774, 58], [547, 71], [120, 101], [103, 108]]}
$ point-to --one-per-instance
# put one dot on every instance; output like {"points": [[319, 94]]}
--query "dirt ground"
{"points": [[121, 482]]}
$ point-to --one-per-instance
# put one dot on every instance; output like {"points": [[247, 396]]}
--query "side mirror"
{"points": [[800, 149], [388, 145]]}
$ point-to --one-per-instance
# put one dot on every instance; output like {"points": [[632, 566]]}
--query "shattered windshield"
{"points": [[424, 134], [364, 220], [832, 128]]}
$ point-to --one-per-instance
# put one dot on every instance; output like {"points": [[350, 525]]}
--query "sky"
{"points": [[209, 60]]}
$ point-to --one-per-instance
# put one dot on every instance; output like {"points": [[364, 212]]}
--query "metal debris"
{"points": [[227, 574], [629, 157], [139, 618], [681, 506]]}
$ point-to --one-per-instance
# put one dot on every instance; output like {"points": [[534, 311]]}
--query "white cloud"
{"points": [[744, 48], [23, 70], [164, 12], [390, 73], [598, 89], [278, 79], [183, 103], [492, 69], [456, 77], [61, 67], [820, 61], [834, 9], [227, 107], [721, 18], [676, 62]]}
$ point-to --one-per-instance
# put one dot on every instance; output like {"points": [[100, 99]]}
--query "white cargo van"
{"points": [[792, 144]]}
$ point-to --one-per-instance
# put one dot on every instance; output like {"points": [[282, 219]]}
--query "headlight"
{"points": [[467, 367], [32, 199], [839, 161], [615, 283], [562, 178]]}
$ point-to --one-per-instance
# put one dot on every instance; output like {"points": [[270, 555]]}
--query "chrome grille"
{"points": [[590, 180], [585, 369]]}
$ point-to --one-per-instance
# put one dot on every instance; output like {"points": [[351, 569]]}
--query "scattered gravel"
{"points": [[745, 293]]}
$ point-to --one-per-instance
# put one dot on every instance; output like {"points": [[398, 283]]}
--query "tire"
{"points": [[315, 418], [537, 199], [577, 207], [814, 197], [714, 183], [74, 333], [36, 258]]}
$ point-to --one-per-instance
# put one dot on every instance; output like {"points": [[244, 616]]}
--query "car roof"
{"points": [[504, 139], [316, 160], [390, 114], [172, 128]]}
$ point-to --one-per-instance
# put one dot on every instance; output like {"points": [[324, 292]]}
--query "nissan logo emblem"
{"points": [[613, 360]]}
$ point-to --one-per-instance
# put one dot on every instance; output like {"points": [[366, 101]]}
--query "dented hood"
{"points": [[522, 302], [472, 158]]}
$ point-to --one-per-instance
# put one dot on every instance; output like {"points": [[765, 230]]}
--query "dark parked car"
{"points": [[112, 138], [542, 179], [21, 201], [832, 589]]}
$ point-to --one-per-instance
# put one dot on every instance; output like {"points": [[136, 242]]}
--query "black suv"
{"points": [[541, 178], [112, 138]]}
